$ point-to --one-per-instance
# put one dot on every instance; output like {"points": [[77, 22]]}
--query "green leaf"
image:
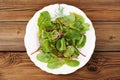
{"points": [[43, 57], [53, 59], [44, 35], [54, 35], [75, 53], [44, 21], [45, 45], [67, 20], [55, 24], [78, 25], [68, 52], [72, 26], [81, 42], [56, 64], [63, 45], [72, 34], [46, 57], [79, 18], [86, 26], [60, 45], [72, 63], [71, 51]]}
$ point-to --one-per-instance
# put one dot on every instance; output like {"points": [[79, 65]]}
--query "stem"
{"points": [[35, 51], [59, 21], [81, 53]]}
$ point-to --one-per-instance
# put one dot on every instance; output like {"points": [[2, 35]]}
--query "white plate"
{"points": [[32, 42]]}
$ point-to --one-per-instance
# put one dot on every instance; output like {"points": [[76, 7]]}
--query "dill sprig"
{"points": [[59, 11]]}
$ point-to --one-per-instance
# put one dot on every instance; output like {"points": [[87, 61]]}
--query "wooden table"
{"points": [[16, 65]]}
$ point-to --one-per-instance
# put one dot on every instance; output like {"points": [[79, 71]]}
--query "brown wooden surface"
{"points": [[105, 62], [17, 66], [38, 4], [25, 15]]}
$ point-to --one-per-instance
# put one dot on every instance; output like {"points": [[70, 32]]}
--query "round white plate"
{"points": [[31, 40]]}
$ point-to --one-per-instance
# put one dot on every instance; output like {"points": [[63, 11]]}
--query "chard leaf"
{"points": [[71, 51], [78, 25], [43, 57], [60, 45], [86, 26], [84, 41], [54, 34], [68, 52], [46, 57], [72, 63], [45, 45], [79, 18], [44, 35], [63, 45], [72, 34], [54, 59], [56, 64], [67, 20], [81, 42], [44, 21], [75, 53]]}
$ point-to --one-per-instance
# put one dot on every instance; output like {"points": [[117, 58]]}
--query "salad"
{"points": [[60, 38]]}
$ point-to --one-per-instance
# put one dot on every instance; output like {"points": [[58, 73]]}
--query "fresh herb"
{"points": [[59, 12], [61, 38]]}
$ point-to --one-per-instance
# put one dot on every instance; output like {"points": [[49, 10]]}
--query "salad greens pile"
{"points": [[60, 39]]}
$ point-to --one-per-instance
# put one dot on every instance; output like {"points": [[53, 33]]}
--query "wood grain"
{"points": [[12, 36], [17, 66], [107, 34], [38, 4], [14, 15], [25, 15], [23, 10]]}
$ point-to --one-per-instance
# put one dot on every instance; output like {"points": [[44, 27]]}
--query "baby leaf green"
{"points": [[86, 26], [45, 45], [44, 20], [60, 45], [79, 18], [56, 64], [43, 57], [71, 51], [81, 42], [72, 63], [67, 20]]}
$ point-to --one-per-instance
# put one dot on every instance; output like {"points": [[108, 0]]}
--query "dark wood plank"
{"points": [[38, 4], [25, 15], [107, 34], [102, 66], [12, 34]]}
